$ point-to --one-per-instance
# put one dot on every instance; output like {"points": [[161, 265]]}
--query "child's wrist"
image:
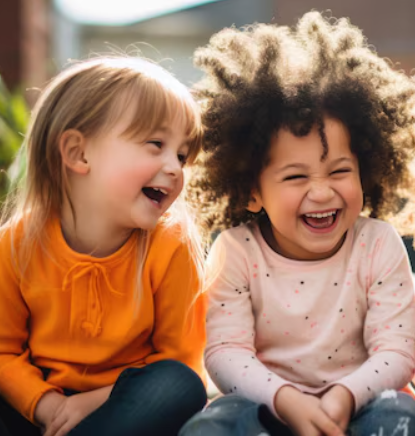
{"points": [[346, 396], [283, 399], [47, 406]]}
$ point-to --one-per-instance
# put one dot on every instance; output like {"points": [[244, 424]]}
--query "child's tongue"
{"points": [[319, 223]]}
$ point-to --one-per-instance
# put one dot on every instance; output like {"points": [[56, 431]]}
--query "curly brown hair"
{"points": [[266, 77]]}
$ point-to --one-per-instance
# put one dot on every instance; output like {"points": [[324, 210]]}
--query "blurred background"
{"points": [[38, 37]]}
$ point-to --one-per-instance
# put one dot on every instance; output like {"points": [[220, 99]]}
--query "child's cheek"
{"points": [[128, 181], [355, 196]]}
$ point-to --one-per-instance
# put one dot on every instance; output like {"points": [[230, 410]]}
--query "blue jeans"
{"points": [[231, 415], [154, 400]]}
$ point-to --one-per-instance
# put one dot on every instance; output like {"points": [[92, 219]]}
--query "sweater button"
{"points": [[86, 325]]}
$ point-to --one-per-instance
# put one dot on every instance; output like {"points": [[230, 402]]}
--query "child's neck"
{"points": [[91, 234]]}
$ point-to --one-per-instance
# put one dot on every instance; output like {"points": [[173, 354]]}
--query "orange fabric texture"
{"points": [[79, 316]]}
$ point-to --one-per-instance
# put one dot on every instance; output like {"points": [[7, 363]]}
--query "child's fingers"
{"points": [[326, 425], [338, 404], [65, 429], [332, 410], [56, 425]]}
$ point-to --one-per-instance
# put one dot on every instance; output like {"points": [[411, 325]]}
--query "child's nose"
{"points": [[173, 167], [320, 191]]}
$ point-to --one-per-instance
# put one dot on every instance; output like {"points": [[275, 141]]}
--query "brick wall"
{"points": [[24, 42], [10, 29]]}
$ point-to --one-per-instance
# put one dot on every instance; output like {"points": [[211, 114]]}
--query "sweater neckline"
{"points": [[277, 259], [65, 251]]}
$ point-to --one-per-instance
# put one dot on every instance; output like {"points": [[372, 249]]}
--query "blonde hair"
{"points": [[90, 96]]}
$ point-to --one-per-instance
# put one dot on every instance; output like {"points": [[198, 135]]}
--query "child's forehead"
{"points": [[142, 112], [285, 145]]}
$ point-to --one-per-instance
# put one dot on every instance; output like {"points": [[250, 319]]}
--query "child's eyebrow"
{"points": [[167, 130], [162, 129], [301, 166], [342, 160], [297, 166]]}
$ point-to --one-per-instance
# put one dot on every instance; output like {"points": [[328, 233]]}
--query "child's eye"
{"points": [[295, 177], [182, 159], [341, 170], [158, 144]]}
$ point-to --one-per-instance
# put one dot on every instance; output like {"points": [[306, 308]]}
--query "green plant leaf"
{"points": [[14, 118]]}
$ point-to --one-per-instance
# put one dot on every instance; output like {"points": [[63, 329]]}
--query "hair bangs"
{"points": [[156, 106]]}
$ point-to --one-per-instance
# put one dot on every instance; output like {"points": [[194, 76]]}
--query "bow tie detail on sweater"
{"points": [[87, 281]]}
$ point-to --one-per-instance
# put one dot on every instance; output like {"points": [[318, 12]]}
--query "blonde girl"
{"points": [[101, 327]]}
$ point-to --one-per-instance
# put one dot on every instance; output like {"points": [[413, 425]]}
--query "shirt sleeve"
{"points": [[389, 330], [180, 312], [230, 353], [21, 383]]}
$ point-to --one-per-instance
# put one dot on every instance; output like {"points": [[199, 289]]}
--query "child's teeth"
{"points": [[320, 215], [163, 191]]}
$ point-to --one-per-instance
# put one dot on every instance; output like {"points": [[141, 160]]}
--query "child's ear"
{"points": [[255, 203], [72, 145]]}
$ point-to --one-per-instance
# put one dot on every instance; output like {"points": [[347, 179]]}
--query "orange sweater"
{"points": [[79, 316]]}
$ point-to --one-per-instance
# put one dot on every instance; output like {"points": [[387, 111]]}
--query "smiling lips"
{"points": [[321, 220], [155, 194]]}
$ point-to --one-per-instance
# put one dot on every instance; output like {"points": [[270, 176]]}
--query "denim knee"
{"points": [[392, 402], [390, 413], [182, 380], [230, 415], [187, 381], [153, 400], [168, 378], [168, 366]]}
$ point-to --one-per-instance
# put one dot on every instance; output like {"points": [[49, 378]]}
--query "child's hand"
{"points": [[338, 403], [303, 414], [47, 407], [74, 409]]}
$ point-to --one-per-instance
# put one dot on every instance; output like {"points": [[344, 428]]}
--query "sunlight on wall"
{"points": [[121, 12]]}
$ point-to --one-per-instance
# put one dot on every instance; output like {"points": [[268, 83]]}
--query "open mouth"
{"points": [[321, 220], [155, 194]]}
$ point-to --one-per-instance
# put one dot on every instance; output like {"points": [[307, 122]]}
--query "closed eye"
{"points": [[295, 177], [341, 170]]}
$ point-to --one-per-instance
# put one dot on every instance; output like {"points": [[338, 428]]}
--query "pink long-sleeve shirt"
{"points": [[347, 320]]}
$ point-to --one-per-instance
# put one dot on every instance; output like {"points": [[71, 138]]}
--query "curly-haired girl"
{"points": [[311, 317]]}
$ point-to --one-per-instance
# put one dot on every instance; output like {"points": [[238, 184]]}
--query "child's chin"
{"points": [[143, 224], [146, 226]]}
